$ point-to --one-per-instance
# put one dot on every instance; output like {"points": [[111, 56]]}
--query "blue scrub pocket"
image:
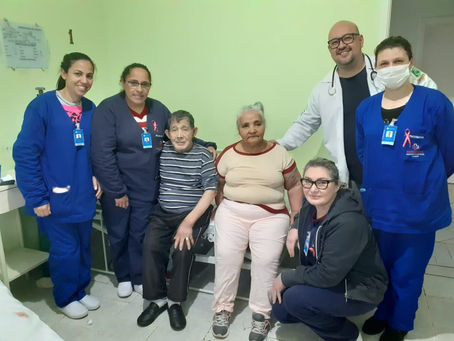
{"points": [[60, 203], [417, 163]]}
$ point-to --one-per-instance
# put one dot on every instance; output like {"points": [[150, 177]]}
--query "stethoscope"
{"points": [[373, 74]]}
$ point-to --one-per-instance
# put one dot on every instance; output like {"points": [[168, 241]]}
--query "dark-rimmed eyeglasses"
{"points": [[135, 84], [319, 183], [346, 39]]}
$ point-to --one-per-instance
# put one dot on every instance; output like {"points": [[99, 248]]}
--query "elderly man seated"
{"points": [[187, 188]]}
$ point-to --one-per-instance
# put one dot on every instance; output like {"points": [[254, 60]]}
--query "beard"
{"points": [[345, 61]]}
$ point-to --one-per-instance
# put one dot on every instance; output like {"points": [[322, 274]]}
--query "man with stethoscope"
{"points": [[334, 100]]}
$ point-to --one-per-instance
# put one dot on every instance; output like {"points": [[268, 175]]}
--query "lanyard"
{"points": [[76, 117]]}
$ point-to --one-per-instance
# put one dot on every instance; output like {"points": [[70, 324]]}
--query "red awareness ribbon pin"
{"points": [[407, 138]]}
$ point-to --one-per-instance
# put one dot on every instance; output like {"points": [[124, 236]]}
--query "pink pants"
{"points": [[238, 226]]}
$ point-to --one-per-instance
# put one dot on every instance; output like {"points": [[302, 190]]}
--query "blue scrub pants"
{"points": [[126, 230], [323, 310], [405, 257], [69, 258]]}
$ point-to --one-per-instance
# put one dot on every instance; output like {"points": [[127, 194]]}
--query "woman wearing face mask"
{"points": [[405, 145], [53, 173], [128, 134]]}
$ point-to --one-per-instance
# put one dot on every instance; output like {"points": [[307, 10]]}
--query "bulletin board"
{"points": [[24, 46]]}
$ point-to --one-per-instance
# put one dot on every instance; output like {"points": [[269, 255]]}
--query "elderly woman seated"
{"points": [[341, 272], [253, 174]]}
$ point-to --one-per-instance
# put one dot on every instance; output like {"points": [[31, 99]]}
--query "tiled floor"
{"points": [[116, 319]]}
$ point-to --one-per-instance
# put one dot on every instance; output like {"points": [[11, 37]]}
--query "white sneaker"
{"points": [[90, 302], [124, 289], [75, 310], [138, 289]]}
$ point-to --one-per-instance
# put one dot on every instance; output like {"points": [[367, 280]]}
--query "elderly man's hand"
{"points": [[184, 236]]}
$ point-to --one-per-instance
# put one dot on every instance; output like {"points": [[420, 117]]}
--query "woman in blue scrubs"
{"points": [[53, 172], [405, 144]]}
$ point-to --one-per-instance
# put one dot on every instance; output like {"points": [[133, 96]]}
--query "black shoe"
{"points": [[176, 317], [373, 326], [391, 334], [149, 314]]}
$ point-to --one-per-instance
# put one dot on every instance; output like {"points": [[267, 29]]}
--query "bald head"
{"points": [[342, 26], [345, 45]]}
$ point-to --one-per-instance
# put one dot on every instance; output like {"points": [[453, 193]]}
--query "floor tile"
{"points": [[444, 337], [439, 286], [291, 332], [116, 318], [424, 328], [441, 313], [443, 271], [443, 254], [444, 234]]}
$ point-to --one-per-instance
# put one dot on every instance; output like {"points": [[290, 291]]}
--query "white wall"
{"points": [[429, 26], [438, 52], [407, 14]]}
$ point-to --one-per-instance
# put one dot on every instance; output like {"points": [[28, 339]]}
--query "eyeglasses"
{"points": [[135, 84], [319, 183], [346, 39]]}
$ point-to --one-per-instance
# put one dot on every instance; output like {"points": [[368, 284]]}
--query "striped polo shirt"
{"points": [[185, 177]]}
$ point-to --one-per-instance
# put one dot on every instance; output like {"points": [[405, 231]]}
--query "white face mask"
{"points": [[393, 77]]}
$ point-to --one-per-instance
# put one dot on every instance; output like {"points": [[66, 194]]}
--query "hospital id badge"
{"points": [[389, 135], [146, 140], [306, 243], [78, 137]]}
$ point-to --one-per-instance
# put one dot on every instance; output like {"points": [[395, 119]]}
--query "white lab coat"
{"points": [[327, 110]]}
